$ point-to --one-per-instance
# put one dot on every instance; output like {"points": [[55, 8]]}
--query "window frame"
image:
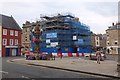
{"points": [[16, 41], [12, 32], [12, 42], [16, 33], [5, 41], [4, 31]]}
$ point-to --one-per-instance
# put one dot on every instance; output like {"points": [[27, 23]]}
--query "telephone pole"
{"points": [[118, 65]]}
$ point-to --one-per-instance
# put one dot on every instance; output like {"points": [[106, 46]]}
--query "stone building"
{"points": [[98, 41], [93, 40], [27, 27], [113, 40]]}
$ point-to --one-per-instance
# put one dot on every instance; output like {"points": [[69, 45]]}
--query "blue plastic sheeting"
{"points": [[85, 50], [54, 50], [65, 37], [72, 50]]}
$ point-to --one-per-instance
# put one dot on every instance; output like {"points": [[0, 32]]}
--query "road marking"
{"points": [[4, 72], [24, 64], [25, 77], [18, 59], [9, 61]]}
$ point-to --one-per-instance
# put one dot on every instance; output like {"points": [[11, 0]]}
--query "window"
{"points": [[11, 32], [97, 38], [11, 41], [4, 31], [97, 43], [16, 33], [116, 42], [16, 42], [25, 39], [4, 41]]}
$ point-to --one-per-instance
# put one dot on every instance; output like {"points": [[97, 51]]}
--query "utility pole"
{"points": [[118, 65]]}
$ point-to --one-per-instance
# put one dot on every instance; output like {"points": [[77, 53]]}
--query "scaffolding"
{"points": [[66, 27], [64, 32]]}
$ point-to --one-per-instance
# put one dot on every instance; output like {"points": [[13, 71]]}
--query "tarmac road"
{"points": [[13, 70]]}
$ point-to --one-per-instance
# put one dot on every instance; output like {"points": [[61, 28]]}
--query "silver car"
{"points": [[94, 57]]}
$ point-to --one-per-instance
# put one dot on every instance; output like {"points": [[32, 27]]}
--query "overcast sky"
{"points": [[98, 14]]}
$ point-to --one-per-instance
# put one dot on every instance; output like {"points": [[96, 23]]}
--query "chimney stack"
{"points": [[113, 24]]}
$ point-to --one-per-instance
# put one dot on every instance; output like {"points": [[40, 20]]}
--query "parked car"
{"points": [[94, 57]]}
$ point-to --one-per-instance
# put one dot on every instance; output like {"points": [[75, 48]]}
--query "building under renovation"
{"points": [[64, 34]]}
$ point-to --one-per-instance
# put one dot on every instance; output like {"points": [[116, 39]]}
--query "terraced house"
{"points": [[10, 36]]}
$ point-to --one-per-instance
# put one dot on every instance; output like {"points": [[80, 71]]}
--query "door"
{"points": [[17, 53], [14, 52], [7, 52]]}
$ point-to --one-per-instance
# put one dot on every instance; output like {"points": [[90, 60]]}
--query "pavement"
{"points": [[107, 68]]}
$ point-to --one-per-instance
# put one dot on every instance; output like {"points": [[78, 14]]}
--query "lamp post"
{"points": [[118, 65]]}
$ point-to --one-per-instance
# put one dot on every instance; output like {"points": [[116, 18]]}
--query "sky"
{"points": [[97, 14]]}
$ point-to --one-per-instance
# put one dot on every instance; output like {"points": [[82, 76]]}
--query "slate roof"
{"points": [[8, 22]]}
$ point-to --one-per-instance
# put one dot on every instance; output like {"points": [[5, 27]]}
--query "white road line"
{"points": [[25, 77], [8, 61], [17, 59], [4, 72]]}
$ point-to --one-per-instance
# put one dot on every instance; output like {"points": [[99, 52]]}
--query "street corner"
{"points": [[16, 60]]}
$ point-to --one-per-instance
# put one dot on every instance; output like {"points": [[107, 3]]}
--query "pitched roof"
{"points": [[8, 22]]}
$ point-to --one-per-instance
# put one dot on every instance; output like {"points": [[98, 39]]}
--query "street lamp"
{"points": [[118, 65]]}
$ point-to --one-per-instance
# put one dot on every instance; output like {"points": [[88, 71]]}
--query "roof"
{"points": [[8, 22], [114, 27]]}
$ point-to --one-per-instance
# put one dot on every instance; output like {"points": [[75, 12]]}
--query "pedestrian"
{"points": [[61, 55], [98, 55], [53, 57]]}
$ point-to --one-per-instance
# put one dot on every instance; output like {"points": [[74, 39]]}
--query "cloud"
{"points": [[98, 15], [104, 8]]}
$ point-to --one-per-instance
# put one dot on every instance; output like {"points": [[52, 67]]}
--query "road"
{"points": [[13, 70]]}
